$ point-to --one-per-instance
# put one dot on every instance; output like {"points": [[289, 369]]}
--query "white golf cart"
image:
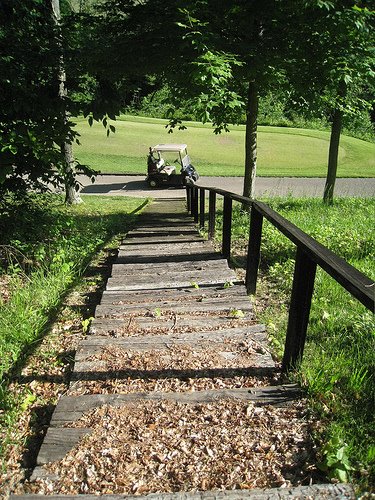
{"points": [[169, 165]]}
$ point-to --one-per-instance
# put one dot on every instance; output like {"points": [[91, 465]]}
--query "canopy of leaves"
{"points": [[34, 50], [334, 66], [31, 120]]}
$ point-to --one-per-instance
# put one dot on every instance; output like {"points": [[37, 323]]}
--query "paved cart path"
{"points": [[175, 333], [135, 185]]}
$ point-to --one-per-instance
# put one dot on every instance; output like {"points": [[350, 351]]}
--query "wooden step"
{"points": [[315, 491], [198, 279], [166, 241], [124, 272], [188, 255], [155, 232], [139, 326], [237, 306], [221, 339], [60, 438], [71, 408], [169, 267], [172, 248], [174, 294]]}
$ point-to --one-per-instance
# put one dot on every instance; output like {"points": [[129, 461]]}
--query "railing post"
{"points": [[227, 227], [188, 198], [201, 207], [299, 311], [211, 215], [194, 203], [253, 250]]}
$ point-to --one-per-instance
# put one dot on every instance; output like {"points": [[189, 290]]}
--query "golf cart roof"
{"points": [[169, 147]]}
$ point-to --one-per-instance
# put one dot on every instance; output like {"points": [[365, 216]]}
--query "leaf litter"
{"points": [[223, 367], [165, 446]]}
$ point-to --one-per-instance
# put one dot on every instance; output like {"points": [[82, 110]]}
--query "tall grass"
{"points": [[338, 369], [45, 246]]}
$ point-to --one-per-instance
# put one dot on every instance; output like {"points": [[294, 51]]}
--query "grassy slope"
{"points": [[338, 366], [282, 151], [57, 242]]}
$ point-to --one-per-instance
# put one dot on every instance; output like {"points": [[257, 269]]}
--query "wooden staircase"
{"points": [[174, 393]]}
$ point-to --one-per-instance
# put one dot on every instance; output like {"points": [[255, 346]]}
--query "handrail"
{"points": [[310, 253]]}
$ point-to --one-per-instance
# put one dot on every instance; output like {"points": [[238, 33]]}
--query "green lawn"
{"points": [[282, 151]]}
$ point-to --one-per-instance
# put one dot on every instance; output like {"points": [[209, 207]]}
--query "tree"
{"points": [[254, 33], [336, 59], [35, 108], [72, 196], [220, 55], [30, 122]]}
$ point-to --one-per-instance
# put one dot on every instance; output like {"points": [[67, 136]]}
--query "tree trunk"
{"points": [[333, 157], [72, 196], [251, 141], [334, 146]]}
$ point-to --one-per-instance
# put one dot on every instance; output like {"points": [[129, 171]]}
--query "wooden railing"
{"points": [[309, 254]]}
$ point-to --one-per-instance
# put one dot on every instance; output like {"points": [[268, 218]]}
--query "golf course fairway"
{"points": [[281, 151]]}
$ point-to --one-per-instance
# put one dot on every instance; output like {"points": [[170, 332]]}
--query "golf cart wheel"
{"points": [[152, 183]]}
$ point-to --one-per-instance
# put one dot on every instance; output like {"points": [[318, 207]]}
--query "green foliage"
{"points": [[32, 120], [157, 312], [276, 108], [336, 55], [236, 313], [336, 460], [86, 324], [228, 284]]}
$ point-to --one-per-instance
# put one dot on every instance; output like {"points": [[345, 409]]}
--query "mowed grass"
{"points": [[281, 151]]}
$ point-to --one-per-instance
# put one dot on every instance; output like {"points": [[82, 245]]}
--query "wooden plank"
{"points": [[299, 309], [71, 408], [165, 248], [160, 280], [57, 443], [327, 491], [219, 306], [142, 231], [172, 295], [117, 285], [133, 326], [253, 251], [94, 344], [193, 255], [219, 264], [257, 363], [126, 273], [160, 240]]}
